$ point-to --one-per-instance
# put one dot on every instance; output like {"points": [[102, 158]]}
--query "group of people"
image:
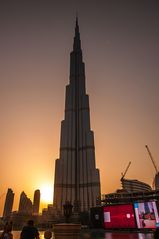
{"points": [[28, 232]]}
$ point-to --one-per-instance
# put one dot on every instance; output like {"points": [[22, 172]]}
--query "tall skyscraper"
{"points": [[36, 201], [76, 176], [8, 203], [25, 204]]}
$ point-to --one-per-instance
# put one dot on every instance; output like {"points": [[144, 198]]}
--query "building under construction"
{"points": [[133, 185], [134, 190]]}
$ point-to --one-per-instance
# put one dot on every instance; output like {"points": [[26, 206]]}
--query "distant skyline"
{"points": [[121, 54]]}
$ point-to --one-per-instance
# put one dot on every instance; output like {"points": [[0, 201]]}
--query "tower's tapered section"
{"points": [[76, 177]]}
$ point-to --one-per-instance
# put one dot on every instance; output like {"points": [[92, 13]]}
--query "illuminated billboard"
{"points": [[146, 214], [119, 216]]}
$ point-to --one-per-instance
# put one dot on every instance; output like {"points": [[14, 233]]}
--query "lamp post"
{"points": [[67, 230], [67, 210]]}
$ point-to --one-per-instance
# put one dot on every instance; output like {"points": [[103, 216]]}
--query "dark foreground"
{"points": [[99, 234]]}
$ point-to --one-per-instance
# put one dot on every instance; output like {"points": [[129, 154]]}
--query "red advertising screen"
{"points": [[119, 216], [146, 214]]}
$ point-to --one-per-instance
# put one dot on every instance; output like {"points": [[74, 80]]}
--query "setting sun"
{"points": [[46, 193]]}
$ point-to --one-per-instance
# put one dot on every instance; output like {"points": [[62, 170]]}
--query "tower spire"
{"points": [[76, 18], [77, 41]]}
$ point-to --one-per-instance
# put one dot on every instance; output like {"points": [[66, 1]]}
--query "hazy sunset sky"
{"points": [[120, 42]]}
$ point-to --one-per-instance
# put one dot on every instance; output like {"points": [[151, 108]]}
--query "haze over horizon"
{"points": [[121, 54]]}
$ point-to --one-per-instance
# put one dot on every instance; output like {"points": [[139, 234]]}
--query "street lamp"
{"points": [[67, 207]]}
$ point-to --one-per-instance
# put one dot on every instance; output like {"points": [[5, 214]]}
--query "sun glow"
{"points": [[46, 192]]}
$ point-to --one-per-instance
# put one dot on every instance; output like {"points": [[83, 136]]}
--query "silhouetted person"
{"points": [[7, 232], [29, 231], [47, 234], [156, 233]]}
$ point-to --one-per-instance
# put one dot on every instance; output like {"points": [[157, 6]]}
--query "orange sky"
{"points": [[120, 51]]}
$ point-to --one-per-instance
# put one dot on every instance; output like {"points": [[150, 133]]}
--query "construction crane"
{"points": [[123, 174], [156, 179], [151, 158]]}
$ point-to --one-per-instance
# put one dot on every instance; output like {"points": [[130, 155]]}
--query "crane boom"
{"points": [[123, 174], [151, 158]]}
